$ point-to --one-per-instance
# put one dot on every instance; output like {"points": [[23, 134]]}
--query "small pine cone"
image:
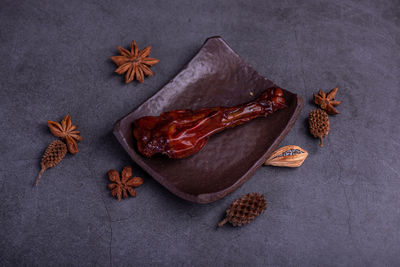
{"points": [[54, 153], [319, 124], [245, 209]]}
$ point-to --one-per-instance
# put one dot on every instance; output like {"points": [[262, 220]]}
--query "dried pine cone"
{"points": [[245, 209], [54, 153], [319, 124]]}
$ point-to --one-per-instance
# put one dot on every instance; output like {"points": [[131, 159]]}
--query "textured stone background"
{"points": [[342, 207]]}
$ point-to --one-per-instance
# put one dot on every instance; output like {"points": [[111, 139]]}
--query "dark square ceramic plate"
{"points": [[216, 76]]}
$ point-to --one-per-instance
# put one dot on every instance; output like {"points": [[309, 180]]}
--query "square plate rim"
{"points": [[213, 196]]}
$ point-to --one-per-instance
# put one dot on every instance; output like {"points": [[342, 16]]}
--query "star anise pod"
{"points": [[134, 63], [327, 102], [120, 186], [67, 132]]}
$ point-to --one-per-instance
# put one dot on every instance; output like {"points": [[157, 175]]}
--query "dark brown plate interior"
{"points": [[216, 76]]}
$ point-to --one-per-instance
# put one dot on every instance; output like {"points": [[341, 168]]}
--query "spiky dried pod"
{"points": [[245, 209], [53, 155], [319, 124]]}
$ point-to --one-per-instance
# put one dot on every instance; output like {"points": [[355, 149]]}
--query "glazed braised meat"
{"points": [[182, 133]]}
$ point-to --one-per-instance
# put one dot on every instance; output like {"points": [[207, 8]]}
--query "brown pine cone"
{"points": [[54, 153], [245, 209], [319, 124]]}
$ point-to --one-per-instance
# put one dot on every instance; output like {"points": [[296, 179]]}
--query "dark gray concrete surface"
{"points": [[341, 208]]}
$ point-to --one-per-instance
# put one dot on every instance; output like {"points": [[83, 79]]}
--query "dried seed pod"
{"points": [[66, 131], [287, 156], [120, 185], [319, 124], [327, 102], [54, 153], [245, 209]]}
